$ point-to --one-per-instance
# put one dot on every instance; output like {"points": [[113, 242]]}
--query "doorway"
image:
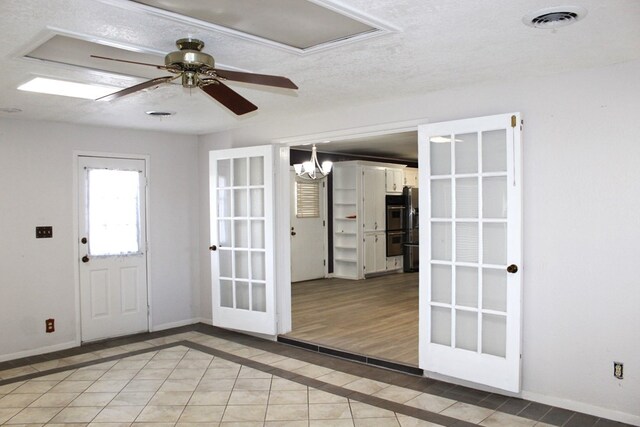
{"points": [[112, 247], [376, 316]]}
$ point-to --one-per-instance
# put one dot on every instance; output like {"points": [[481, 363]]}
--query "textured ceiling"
{"points": [[440, 44]]}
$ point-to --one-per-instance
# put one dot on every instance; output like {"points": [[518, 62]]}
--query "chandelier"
{"points": [[312, 169]]}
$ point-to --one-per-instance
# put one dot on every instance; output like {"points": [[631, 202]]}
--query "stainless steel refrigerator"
{"points": [[411, 257]]}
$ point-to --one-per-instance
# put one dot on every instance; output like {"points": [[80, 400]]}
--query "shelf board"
{"points": [[347, 260]]}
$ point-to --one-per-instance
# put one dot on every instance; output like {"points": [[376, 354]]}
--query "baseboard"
{"points": [[586, 408], [205, 321], [177, 324], [38, 351]]}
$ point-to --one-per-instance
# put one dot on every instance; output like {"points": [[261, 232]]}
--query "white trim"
{"points": [[381, 27], [359, 132], [38, 351], [177, 324], [586, 408], [76, 235], [282, 240]]}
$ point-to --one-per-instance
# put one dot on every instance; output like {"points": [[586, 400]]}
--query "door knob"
{"points": [[85, 258], [512, 269], [84, 240], [213, 248], [293, 233]]}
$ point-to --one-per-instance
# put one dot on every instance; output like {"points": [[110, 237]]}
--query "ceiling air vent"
{"points": [[554, 17]]}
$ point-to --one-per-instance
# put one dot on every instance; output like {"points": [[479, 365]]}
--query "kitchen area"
{"points": [[367, 303]]}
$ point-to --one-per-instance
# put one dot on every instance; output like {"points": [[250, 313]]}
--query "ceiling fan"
{"points": [[197, 69]]}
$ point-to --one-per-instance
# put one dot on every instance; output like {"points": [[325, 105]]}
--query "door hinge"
{"points": [[148, 309], [324, 262], [513, 121], [324, 224]]}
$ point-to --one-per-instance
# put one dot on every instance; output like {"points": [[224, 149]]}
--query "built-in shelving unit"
{"points": [[346, 252], [359, 218]]}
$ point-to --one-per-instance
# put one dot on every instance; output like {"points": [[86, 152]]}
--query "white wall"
{"points": [[581, 225], [37, 277]]}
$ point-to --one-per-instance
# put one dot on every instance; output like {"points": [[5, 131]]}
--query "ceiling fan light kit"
{"points": [[196, 69]]}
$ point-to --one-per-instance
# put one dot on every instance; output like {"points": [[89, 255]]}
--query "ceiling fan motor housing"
{"points": [[189, 59]]}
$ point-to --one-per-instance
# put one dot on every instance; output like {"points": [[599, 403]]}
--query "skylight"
{"points": [[66, 88]]}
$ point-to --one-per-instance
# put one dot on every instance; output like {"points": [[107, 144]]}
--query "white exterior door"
{"points": [[112, 247], [308, 228], [242, 239], [471, 249]]}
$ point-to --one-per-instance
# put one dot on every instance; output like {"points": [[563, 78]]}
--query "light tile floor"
{"points": [[177, 381]]}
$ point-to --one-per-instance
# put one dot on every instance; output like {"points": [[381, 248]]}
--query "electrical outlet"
{"points": [[618, 371], [49, 326]]}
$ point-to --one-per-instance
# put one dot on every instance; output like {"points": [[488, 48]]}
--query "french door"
{"points": [[112, 247], [242, 239], [471, 249]]}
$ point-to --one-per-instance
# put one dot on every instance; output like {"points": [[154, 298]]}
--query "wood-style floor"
{"points": [[374, 317]]}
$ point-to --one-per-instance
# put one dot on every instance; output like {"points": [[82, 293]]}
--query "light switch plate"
{"points": [[44, 232]]}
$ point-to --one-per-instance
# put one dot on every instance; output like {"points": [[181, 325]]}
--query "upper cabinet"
{"points": [[411, 177], [394, 180]]}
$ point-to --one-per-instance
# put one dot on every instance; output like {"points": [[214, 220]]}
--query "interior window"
{"points": [[307, 199]]}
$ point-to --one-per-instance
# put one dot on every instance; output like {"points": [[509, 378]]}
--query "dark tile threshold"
{"points": [[368, 360], [510, 405]]}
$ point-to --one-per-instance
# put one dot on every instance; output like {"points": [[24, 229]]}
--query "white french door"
{"points": [[471, 249], [242, 239], [112, 247]]}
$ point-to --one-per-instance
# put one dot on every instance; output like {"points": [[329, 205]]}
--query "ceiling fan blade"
{"points": [[259, 79], [136, 88], [159, 67], [229, 98]]}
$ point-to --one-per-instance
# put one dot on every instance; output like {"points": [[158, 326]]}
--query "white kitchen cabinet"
{"points": [[394, 263], [375, 259], [373, 200], [411, 177], [394, 180]]}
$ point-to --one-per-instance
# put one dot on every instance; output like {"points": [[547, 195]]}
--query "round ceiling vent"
{"points": [[554, 17]]}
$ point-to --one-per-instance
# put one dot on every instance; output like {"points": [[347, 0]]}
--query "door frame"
{"points": [[76, 154], [325, 214]]}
